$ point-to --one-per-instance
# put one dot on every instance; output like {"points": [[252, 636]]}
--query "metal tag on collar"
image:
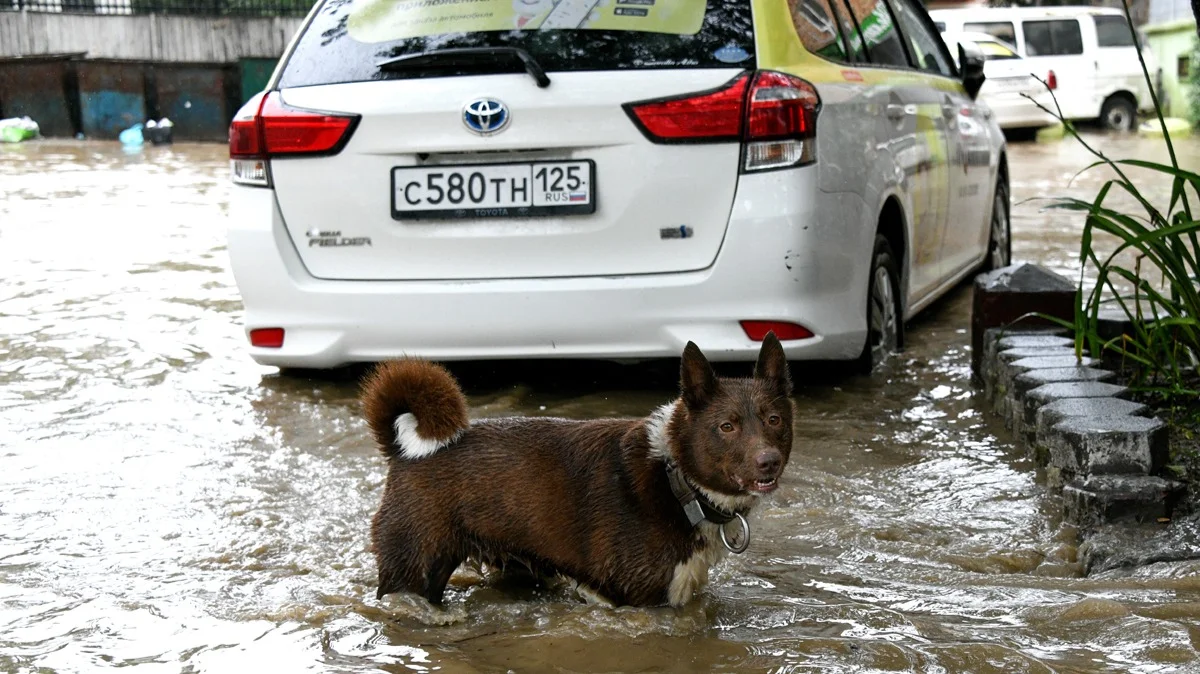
{"points": [[695, 513]]}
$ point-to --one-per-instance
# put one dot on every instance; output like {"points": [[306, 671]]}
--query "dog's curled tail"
{"points": [[414, 407]]}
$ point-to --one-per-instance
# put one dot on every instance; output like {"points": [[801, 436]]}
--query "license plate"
{"points": [[494, 190], [1013, 83]]}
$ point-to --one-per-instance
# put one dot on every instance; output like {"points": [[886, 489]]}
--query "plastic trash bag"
{"points": [[132, 136], [159, 132], [17, 129]]}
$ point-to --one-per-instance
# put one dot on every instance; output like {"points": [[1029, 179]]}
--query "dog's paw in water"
{"points": [[405, 607]]}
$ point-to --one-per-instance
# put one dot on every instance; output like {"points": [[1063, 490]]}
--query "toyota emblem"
{"points": [[485, 116]]}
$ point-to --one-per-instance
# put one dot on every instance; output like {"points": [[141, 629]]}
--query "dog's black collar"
{"points": [[696, 506]]}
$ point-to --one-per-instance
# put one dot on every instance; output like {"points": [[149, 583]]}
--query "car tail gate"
{"points": [[425, 141]]}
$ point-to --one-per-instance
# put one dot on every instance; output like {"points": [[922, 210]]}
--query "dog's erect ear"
{"points": [[698, 382], [772, 365]]}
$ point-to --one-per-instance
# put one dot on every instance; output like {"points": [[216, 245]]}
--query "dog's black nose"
{"points": [[768, 462]]}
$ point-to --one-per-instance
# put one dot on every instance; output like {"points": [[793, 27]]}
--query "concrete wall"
{"points": [[171, 39], [1165, 11], [1170, 42]]}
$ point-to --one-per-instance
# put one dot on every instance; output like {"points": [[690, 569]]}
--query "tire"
{"points": [[1000, 230], [885, 325], [1118, 114]]}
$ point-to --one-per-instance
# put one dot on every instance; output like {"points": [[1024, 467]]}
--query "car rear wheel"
{"points": [[884, 323], [1000, 238], [1118, 114]]}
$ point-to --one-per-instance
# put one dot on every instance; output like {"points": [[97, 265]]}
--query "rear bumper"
{"points": [[778, 262], [1017, 112]]}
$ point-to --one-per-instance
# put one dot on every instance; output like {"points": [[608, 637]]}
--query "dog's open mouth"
{"points": [[765, 484]]}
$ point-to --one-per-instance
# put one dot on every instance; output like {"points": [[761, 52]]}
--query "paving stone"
{"points": [[1084, 446], [1009, 355], [999, 362], [1024, 411], [1009, 298], [1008, 372], [1024, 278], [994, 358], [1049, 415], [992, 337], [1026, 341], [1044, 362], [1032, 379], [1074, 389], [1130, 544], [1107, 499]]}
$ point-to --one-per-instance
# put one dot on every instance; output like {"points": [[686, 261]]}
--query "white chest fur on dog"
{"points": [[691, 576]]}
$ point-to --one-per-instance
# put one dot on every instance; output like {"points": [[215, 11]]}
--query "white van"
{"points": [[1089, 49], [1017, 101]]}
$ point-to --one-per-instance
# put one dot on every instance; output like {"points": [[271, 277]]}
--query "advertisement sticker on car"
{"points": [[875, 28], [387, 20]]}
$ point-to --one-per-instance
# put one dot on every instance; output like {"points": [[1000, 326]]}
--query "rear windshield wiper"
{"points": [[475, 56]]}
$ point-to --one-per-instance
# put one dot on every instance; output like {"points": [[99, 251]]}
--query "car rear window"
{"points": [[994, 51], [1113, 31], [1059, 37], [347, 39], [1000, 29]]}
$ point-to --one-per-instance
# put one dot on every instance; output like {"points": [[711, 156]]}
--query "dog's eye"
{"points": [[727, 427], [773, 420]]}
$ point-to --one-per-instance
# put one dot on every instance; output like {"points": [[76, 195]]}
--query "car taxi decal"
{"points": [[930, 181], [779, 48]]}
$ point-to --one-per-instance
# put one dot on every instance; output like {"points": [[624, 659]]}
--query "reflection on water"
{"points": [[169, 504], [1043, 171]]}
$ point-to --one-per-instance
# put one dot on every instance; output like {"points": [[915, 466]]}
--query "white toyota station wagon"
{"points": [[609, 179]]}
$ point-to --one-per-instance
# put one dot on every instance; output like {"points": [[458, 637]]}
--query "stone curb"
{"points": [[1103, 450], [1052, 413], [1109, 499], [1024, 413], [1075, 420], [1108, 445], [1002, 346], [1032, 380], [1011, 363]]}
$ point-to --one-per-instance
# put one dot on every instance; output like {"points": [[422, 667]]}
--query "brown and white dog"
{"points": [[631, 509]]}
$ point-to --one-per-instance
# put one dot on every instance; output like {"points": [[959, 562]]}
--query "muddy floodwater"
{"points": [[169, 506]]}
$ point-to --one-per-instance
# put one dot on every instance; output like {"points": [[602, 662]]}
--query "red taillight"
{"points": [[757, 330], [267, 338], [773, 113], [277, 129], [244, 138], [710, 116], [1052, 81], [781, 107]]}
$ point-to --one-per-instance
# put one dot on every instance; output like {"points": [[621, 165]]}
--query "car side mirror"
{"points": [[970, 64]]}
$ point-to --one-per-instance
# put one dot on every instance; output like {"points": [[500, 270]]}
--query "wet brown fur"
{"points": [[425, 389], [586, 499]]}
